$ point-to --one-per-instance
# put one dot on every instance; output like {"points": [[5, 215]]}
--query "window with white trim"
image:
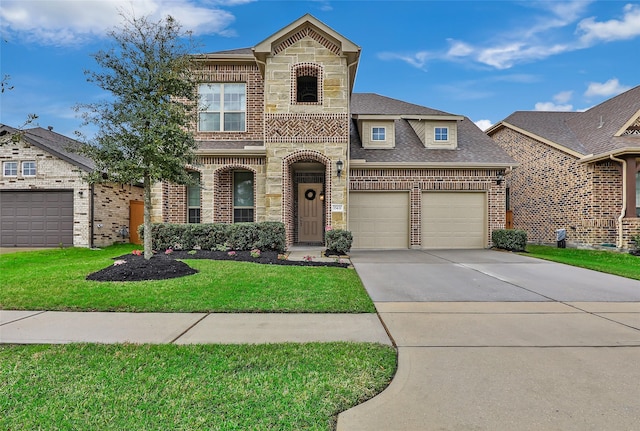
{"points": [[223, 107], [193, 199], [441, 134], [242, 196], [29, 169], [10, 169], [378, 133]]}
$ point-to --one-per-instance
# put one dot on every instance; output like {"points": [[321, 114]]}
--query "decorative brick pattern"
{"points": [[302, 128], [552, 190], [417, 181], [306, 32]]}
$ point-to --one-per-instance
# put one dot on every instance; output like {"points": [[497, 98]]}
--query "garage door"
{"points": [[379, 220], [36, 218], [454, 220]]}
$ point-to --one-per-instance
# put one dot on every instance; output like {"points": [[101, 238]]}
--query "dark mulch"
{"points": [[162, 266]]}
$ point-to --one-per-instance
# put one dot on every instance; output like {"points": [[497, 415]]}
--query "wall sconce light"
{"points": [[499, 179], [80, 193], [321, 195], [339, 165]]}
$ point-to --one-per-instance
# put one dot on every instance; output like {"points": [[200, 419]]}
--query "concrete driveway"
{"points": [[490, 340]]}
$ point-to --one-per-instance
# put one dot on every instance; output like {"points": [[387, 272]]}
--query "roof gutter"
{"points": [[247, 151], [359, 163], [607, 155], [623, 211]]}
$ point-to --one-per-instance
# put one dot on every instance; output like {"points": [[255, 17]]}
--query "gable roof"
{"points": [[54, 143], [475, 149], [592, 134]]}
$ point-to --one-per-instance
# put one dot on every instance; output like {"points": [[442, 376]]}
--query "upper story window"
{"points": [[307, 83], [10, 169], [29, 169], [441, 134], [223, 107], [378, 134]]}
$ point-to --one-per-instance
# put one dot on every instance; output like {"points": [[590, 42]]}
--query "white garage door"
{"points": [[36, 218], [379, 220], [454, 220]]}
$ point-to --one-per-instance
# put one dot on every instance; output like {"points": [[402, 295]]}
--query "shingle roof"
{"points": [[473, 145], [227, 145], [239, 51], [588, 132], [57, 144]]}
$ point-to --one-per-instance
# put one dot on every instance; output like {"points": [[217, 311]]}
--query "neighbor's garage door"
{"points": [[36, 218], [454, 220], [379, 220]]}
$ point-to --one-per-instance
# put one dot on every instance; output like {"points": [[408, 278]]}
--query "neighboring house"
{"points": [[282, 138], [578, 171], [44, 201]]}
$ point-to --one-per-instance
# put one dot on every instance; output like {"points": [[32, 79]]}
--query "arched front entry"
{"points": [[306, 186]]}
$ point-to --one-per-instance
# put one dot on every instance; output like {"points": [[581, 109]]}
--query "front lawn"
{"points": [[212, 387], [623, 264], [55, 280]]}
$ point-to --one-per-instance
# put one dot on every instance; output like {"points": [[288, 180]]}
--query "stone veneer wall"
{"points": [[552, 190], [417, 181], [111, 201]]}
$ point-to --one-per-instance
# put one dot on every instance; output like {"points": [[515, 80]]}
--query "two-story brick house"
{"points": [[282, 137], [578, 171]]}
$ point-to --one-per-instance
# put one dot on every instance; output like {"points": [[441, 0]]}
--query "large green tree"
{"points": [[143, 128]]}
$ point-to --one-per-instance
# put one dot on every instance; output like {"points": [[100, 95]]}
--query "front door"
{"points": [[310, 210]]}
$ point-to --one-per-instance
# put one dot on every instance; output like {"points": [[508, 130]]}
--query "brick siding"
{"points": [[552, 190]]}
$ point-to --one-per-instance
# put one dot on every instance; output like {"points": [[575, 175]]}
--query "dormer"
{"points": [[437, 132], [377, 131]]}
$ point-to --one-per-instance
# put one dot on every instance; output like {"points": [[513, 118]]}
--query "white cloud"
{"points": [[551, 106], [606, 89], [563, 96], [67, 22], [459, 49], [418, 60], [626, 28], [483, 124]]}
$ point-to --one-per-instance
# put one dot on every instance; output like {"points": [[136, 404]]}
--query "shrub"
{"points": [[509, 239], [338, 240], [218, 236]]}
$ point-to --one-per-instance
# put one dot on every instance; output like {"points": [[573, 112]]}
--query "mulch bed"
{"points": [[163, 266]]}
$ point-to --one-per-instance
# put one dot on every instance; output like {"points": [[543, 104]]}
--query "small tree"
{"points": [[143, 129]]}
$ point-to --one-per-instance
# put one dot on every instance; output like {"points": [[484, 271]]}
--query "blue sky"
{"points": [[482, 59]]}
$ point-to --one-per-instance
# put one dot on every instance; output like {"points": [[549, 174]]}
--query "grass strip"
{"points": [[622, 264], [214, 387], [55, 280]]}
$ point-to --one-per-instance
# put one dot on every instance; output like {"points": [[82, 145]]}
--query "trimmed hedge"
{"points": [[217, 236], [338, 240], [509, 239]]}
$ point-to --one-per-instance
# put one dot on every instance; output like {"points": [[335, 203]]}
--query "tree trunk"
{"points": [[148, 251]]}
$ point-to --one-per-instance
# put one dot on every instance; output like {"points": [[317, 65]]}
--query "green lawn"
{"points": [[623, 264], [55, 280], [168, 387]]}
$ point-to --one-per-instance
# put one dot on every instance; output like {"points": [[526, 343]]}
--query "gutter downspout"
{"points": [[623, 211], [91, 212]]}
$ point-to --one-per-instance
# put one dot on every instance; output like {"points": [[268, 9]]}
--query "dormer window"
{"points": [[441, 134], [307, 84], [378, 134]]}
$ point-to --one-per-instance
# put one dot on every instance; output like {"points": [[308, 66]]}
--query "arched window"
{"points": [[307, 83]]}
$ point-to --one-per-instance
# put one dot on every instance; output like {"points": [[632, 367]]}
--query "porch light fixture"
{"points": [[339, 165], [321, 196], [499, 179]]}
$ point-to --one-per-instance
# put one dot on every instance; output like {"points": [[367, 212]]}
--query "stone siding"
{"points": [[111, 212], [417, 181]]}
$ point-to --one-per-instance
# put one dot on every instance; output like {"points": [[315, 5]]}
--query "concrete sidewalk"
{"points": [[56, 327]]}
